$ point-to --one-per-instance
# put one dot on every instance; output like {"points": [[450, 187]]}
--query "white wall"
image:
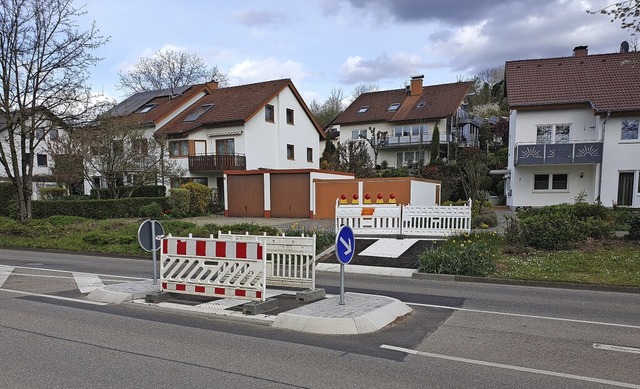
{"points": [[424, 193], [618, 156]]}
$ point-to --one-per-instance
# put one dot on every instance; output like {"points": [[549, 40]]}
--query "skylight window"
{"points": [[421, 104], [363, 109], [146, 108], [198, 112], [393, 107]]}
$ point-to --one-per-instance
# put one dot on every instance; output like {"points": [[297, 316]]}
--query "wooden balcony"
{"points": [[589, 152], [217, 162]]}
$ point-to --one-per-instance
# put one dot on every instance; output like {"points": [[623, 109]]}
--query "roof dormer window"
{"points": [[146, 108], [393, 107], [198, 112], [363, 109], [421, 104]]}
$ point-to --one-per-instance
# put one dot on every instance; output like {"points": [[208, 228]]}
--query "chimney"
{"points": [[212, 85], [416, 85], [580, 51]]}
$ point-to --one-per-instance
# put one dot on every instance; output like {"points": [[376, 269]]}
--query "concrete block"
{"points": [[258, 307], [158, 297], [309, 296]]}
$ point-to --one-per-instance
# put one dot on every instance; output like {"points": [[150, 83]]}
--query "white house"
{"points": [[574, 129], [406, 119]]}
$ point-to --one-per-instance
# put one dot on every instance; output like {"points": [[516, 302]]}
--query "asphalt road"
{"points": [[460, 335]]}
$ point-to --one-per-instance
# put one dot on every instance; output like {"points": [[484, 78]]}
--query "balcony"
{"points": [[409, 140], [217, 162], [588, 152]]}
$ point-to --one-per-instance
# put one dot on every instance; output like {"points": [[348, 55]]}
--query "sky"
{"points": [[326, 45]]}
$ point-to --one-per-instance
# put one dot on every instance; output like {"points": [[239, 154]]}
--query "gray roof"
{"points": [[133, 103]]}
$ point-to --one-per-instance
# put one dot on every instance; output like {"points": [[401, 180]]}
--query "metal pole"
{"points": [[153, 251], [342, 284]]}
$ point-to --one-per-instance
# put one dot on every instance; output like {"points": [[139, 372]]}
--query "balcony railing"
{"points": [[410, 140], [558, 153], [217, 162]]}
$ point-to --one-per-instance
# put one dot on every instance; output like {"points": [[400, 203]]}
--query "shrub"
{"points": [[7, 199], [634, 226], [484, 220], [52, 193], [199, 197], [93, 209], [152, 211], [465, 254], [178, 202]]}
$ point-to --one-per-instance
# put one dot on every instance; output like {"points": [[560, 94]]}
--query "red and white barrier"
{"points": [[215, 268]]}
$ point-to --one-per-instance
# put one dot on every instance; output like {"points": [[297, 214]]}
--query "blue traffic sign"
{"points": [[345, 244]]}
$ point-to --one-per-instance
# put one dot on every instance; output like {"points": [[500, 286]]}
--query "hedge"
{"points": [[96, 209], [141, 191]]}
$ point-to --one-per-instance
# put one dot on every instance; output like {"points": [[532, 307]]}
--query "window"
{"points": [[198, 112], [290, 152], [408, 158], [393, 107], [309, 154], [358, 134], [39, 133], [117, 147], [289, 116], [547, 133], [27, 157], [177, 182], [629, 130], [41, 159], [225, 147], [179, 148], [363, 109], [269, 114], [421, 104], [625, 188], [550, 181], [146, 108], [140, 146], [53, 134]]}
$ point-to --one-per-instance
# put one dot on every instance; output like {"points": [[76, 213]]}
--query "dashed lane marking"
{"points": [[5, 272], [512, 367], [53, 297], [610, 347]]}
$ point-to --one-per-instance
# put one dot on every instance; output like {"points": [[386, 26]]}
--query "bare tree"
{"points": [[326, 112], [354, 158], [44, 61], [169, 69], [117, 150], [363, 88], [377, 140]]}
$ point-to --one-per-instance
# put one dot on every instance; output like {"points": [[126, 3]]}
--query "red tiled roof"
{"points": [[440, 101], [609, 82], [233, 106]]}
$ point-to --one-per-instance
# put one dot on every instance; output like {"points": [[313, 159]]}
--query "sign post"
{"points": [[345, 248], [149, 234]]}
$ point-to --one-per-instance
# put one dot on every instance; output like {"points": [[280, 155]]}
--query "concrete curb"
{"points": [[119, 293]]}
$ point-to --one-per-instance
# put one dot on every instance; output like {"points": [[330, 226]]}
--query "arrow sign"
{"points": [[345, 244]]}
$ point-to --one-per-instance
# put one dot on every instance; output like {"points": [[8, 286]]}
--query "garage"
{"points": [[290, 195], [245, 195]]}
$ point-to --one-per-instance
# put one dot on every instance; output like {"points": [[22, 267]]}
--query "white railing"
{"points": [[291, 260], [404, 220]]}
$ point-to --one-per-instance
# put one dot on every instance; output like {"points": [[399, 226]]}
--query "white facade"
{"points": [[538, 138]]}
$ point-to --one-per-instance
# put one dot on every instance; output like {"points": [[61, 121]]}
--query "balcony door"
{"points": [[200, 147], [225, 147], [625, 189]]}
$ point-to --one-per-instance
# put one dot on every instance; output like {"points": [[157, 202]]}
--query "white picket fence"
{"points": [[291, 260], [404, 220]]}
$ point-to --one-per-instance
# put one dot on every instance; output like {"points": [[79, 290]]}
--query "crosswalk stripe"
{"points": [[87, 283], [5, 272]]}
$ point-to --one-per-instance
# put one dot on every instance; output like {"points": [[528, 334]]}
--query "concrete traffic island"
{"points": [[361, 314]]}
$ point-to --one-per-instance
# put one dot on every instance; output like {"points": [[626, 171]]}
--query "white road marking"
{"points": [[527, 316], [67, 271], [511, 367], [87, 283], [610, 347], [5, 272], [53, 297]]}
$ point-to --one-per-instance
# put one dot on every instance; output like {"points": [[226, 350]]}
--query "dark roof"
{"points": [[233, 106], [137, 100], [440, 101], [609, 82]]}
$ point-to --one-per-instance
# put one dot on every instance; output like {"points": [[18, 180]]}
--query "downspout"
{"points": [[599, 188]]}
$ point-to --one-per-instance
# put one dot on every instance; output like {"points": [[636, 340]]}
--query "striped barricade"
{"points": [[291, 260], [215, 268]]}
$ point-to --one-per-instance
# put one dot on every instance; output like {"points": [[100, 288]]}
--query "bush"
{"points": [[52, 193], [178, 202], [484, 220], [129, 191], [634, 226], [199, 198], [151, 211], [7, 199], [466, 254], [560, 227], [94, 209]]}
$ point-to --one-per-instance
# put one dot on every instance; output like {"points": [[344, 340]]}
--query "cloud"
{"points": [[356, 69], [249, 71], [260, 18]]}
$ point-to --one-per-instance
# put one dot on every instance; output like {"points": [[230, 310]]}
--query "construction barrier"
{"points": [[291, 260], [214, 268], [404, 220]]}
